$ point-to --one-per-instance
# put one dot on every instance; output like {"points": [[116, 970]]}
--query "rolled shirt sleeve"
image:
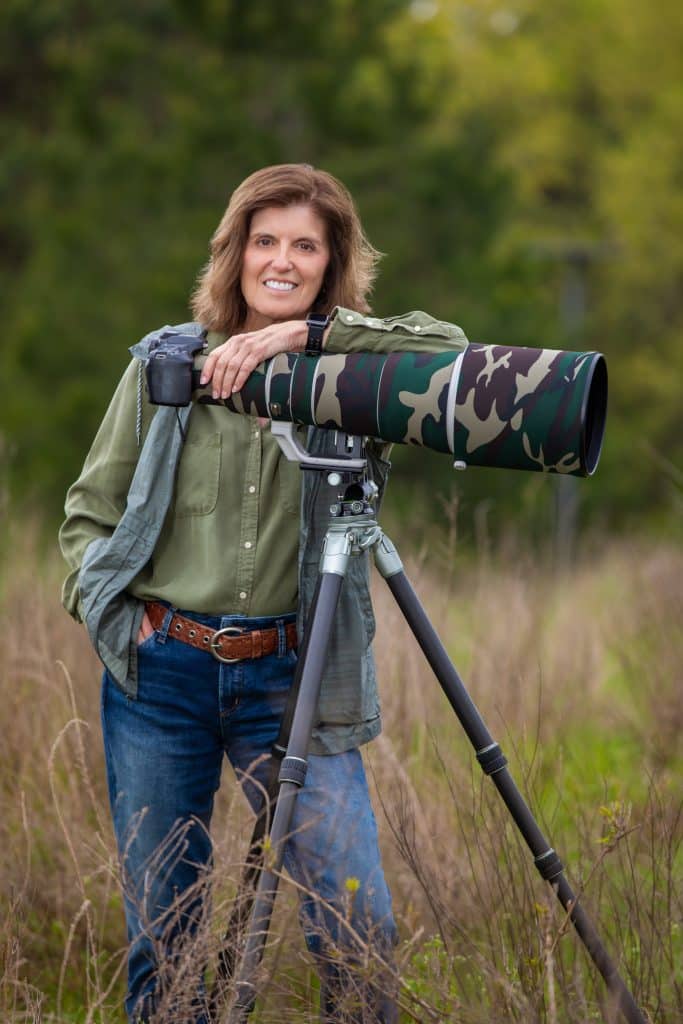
{"points": [[409, 332]]}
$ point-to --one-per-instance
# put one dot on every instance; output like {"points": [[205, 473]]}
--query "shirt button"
{"points": [[243, 595], [417, 327], [256, 433], [349, 318], [247, 544], [252, 489]]}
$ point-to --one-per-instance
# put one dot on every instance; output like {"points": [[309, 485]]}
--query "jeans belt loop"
{"points": [[165, 626], [281, 638]]}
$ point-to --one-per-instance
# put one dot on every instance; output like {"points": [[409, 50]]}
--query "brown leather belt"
{"points": [[233, 643]]}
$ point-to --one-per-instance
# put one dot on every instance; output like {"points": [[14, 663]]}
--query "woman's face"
{"points": [[283, 264]]}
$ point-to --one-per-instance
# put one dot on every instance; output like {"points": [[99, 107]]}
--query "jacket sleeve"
{"points": [[96, 501], [409, 332]]}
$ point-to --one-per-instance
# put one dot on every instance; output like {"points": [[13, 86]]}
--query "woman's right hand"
{"points": [[228, 366], [146, 629]]}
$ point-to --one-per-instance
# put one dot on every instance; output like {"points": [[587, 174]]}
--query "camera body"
{"points": [[169, 367]]}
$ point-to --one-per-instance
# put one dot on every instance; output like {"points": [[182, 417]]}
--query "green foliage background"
{"points": [[516, 161]]}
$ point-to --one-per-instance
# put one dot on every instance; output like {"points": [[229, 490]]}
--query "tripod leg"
{"points": [[292, 776], [493, 763], [241, 913]]}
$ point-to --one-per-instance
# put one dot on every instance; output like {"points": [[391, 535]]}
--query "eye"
{"points": [[263, 241], [307, 246]]}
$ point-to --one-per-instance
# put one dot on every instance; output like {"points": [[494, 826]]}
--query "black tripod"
{"points": [[353, 530]]}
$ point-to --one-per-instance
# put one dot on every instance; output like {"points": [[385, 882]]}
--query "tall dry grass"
{"points": [[577, 675]]}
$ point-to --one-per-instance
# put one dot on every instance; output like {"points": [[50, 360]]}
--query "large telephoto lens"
{"points": [[490, 405]]}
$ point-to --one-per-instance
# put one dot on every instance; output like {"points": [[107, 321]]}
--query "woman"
{"points": [[180, 526]]}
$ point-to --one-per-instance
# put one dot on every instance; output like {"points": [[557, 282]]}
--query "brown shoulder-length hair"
{"points": [[217, 301]]}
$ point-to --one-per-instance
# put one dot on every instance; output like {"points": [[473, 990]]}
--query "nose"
{"points": [[281, 258]]}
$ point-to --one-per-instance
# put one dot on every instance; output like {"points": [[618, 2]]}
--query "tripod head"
{"points": [[347, 471], [350, 456]]}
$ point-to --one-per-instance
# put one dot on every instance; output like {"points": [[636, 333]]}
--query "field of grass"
{"points": [[577, 674]]}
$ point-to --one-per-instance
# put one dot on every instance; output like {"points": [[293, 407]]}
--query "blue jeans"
{"points": [[164, 752]]}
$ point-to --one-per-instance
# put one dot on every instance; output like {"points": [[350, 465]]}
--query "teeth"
{"points": [[280, 286]]}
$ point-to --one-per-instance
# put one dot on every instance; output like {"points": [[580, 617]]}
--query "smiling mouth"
{"points": [[280, 286]]}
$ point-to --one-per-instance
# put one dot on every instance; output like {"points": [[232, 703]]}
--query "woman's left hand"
{"points": [[228, 366]]}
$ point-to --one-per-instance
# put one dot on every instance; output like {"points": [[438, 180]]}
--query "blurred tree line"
{"points": [[519, 163]]}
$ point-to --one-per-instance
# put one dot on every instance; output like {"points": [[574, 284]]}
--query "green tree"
{"points": [[483, 143]]}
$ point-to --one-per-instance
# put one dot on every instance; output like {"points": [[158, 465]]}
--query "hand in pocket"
{"points": [[146, 629]]}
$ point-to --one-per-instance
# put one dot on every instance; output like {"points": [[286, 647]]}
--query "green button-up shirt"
{"points": [[229, 542]]}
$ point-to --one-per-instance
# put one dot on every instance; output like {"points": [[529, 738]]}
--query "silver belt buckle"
{"points": [[215, 649]]}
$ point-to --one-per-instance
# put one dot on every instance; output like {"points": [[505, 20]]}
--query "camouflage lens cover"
{"points": [[491, 405]]}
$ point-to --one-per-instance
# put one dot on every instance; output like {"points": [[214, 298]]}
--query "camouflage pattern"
{"points": [[413, 398], [535, 409], [491, 405]]}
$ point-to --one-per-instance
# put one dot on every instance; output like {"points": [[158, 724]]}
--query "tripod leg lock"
{"points": [[549, 865], [293, 770], [491, 759]]}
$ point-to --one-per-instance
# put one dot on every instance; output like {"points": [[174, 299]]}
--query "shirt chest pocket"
{"points": [[198, 479]]}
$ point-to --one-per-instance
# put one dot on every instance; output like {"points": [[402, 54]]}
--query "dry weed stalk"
{"points": [[543, 660]]}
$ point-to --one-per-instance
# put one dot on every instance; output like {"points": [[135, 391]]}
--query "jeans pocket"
{"points": [[148, 641]]}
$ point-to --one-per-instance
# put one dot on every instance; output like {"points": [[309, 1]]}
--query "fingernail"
{"points": [[214, 394], [203, 379]]}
